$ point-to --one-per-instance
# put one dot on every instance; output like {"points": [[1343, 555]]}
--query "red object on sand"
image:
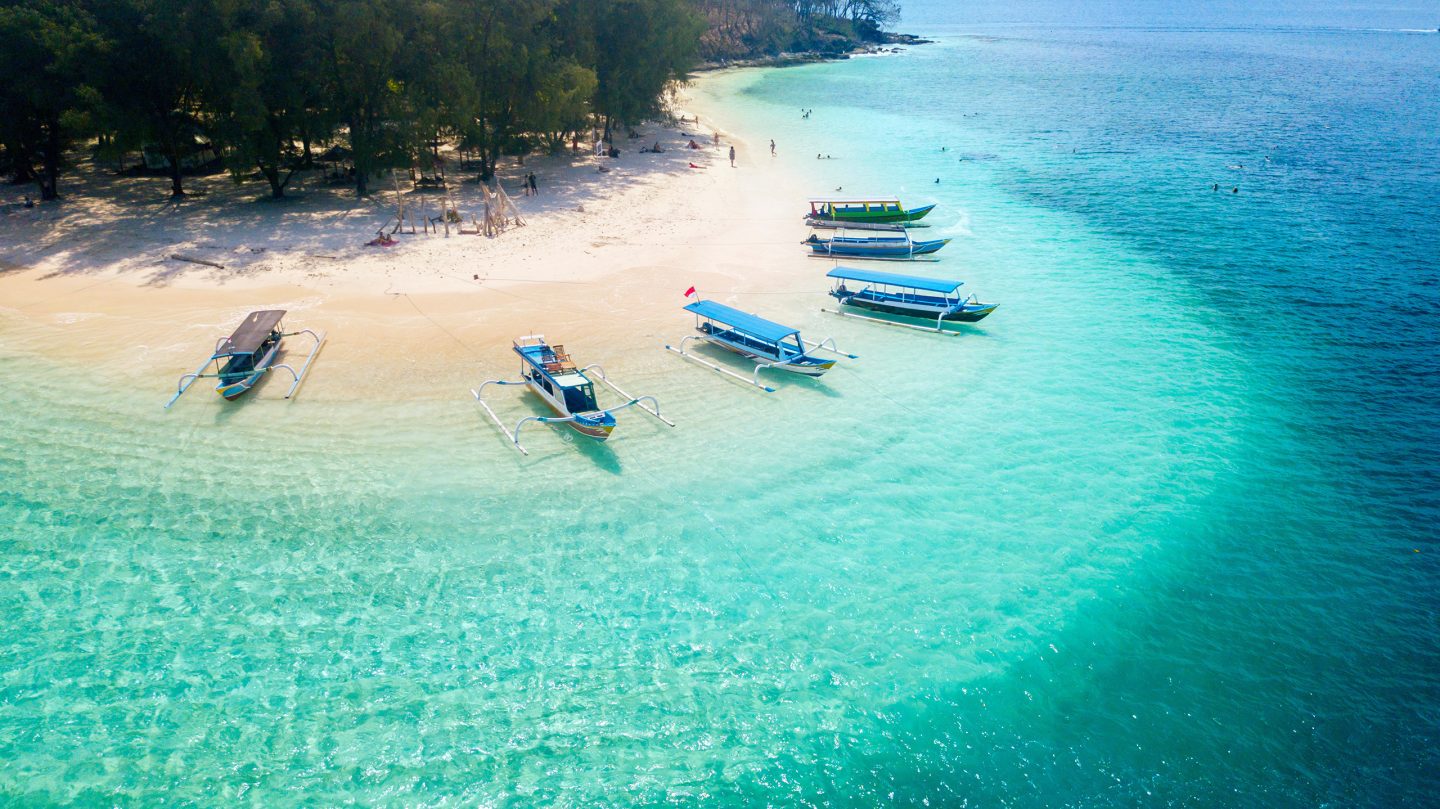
{"points": [[693, 166]]}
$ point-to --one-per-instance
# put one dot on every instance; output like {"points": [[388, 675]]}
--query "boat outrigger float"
{"points": [[241, 359], [930, 299], [771, 345], [569, 391]]}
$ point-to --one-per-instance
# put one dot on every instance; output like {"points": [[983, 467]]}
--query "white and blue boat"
{"points": [[769, 344], [935, 300], [242, 359], [568, 391], [893, 245]]}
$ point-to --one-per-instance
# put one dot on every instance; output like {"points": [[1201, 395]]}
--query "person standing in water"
{"points": [[732, 157], [772, 147]]}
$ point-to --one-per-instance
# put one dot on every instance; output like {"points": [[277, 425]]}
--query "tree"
{"points": [[637, 48], [159, 57], [503, 49], [561, 102], [364, 63], [269, 93], [47, 45], [871, 17]]}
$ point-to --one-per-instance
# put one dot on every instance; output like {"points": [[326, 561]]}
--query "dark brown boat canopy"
{"points": [[252, 332]]}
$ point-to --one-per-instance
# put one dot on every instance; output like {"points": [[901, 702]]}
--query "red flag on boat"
{"points": [[689, 292]]}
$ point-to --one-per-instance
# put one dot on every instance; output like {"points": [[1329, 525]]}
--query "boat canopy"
{"points": [[252, 333], [854, 201], [894, 279], [767, 330]]}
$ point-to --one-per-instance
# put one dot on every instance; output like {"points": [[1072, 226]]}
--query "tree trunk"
{"points": [[177, 185], [277, 185], [362, 146]]}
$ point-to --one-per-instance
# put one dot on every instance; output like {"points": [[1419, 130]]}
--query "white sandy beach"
{"points": [[603, 260]]}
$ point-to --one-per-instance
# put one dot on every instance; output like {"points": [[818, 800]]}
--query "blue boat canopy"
{"points": [[767, 330], [894, 279]]}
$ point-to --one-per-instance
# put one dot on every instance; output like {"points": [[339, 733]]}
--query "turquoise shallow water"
{"points": [[1148, 535]]}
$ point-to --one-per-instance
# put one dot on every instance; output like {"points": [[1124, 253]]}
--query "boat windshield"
{"points": [[580, 399]]}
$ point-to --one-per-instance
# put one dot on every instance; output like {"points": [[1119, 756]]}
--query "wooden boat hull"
{"points": [[814, 221], [886, 249], [878, 217], [810, 367], [965, 313], [239, 385]]}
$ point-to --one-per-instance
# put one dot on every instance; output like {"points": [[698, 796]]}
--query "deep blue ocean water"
{"points": [[1159, 532]]}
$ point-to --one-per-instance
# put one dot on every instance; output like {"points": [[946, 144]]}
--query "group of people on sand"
{"points": [[531, 189]]}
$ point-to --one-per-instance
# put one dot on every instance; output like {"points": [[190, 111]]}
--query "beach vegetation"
{"points": [[749, 29], [263, 85], [47, 49]]}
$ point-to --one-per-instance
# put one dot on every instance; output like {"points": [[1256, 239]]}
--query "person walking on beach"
{"points": [[772, 147], [534, 186], [732, 157]]}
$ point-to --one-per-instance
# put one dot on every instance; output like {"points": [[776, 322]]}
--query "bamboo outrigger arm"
{"points": [[186, 381], [936, 329], [309, 358], [654, 410], [514, 435], [828, 344], [479, 394], [755, 380]]}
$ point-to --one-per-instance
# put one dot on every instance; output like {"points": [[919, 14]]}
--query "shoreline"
{"points": [[601, 263], [896, 42]]}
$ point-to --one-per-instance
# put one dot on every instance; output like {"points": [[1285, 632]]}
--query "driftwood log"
{"points": [[217, 265]]}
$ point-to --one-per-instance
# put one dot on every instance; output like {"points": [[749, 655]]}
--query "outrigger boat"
{"points": [[243, 358], [897, 246], [770, 344], [870, 211], [911, 296], [568, 391], [833, 224]]}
